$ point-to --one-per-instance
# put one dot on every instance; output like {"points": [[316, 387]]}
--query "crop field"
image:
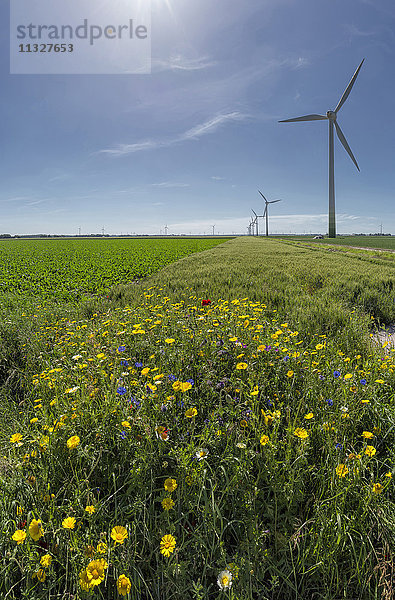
{"points": [[223, 429], [364, 241], [70, 269]]}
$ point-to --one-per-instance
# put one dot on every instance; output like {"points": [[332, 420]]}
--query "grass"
{"points": [[233, 401], [364, 241]]}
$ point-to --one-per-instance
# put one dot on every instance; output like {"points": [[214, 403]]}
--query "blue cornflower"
{"points": [[339, 446], [363, 382], [125, 363], [123, 435], [121, 391], [191, 381], [121, 348], [138, 365], [321, 377], [336, 374], [329, 402], [286, 357], [172, 378]]}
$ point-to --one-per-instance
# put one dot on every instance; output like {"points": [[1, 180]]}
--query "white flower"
{"points": [[225, 580], [202, 453], [76, 356], [241, 445], [344, 409]]}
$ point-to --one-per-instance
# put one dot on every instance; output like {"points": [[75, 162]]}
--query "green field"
{"points": [[70, 269], [224, 428], [364, 241]]}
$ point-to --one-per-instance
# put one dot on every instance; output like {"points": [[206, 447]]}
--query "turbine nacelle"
{"points": [[331, 115]]}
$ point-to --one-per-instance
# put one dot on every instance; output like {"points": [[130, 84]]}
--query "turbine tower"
{"points": [[255, 222], [331, 115], [266, 211]]}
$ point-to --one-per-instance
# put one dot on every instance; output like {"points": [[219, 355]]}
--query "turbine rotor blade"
{"points": [[344, 142], [254, 212], [273, 201], [306, 118], [348, 89], [262, 196]]}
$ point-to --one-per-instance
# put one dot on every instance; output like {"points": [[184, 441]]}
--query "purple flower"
{"points": [[268, 348], [321, 377], [134, 402], [138, 365], [121, 391], [336, 374]]}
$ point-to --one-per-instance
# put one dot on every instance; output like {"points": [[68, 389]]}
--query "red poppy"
{"points": [[206, 302], [21, 524]]}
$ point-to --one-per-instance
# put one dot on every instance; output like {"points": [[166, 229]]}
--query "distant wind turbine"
{"points": [[266, 211], [255, 222], [331, 115]]}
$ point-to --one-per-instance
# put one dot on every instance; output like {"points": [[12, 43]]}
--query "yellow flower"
{"points": [[348, 376], [95, 571], [170, 485], [101, 548], [367, 435], [124, 585], [241, 366], [35, 530], [90, 509], [40, 574], [377, 488], [68, 523], [46, 560], [16, 438], [33, 420], [145, 371], [169, 340], [341, 470], [85, 581], [301, 433], [73, 442], [19, 536], [167, 545], [319, 346], [370, 451], [167, 503], [264, 440], [379, 381], [119, 534], [243, 423], [389, 475], [125, 424], [185, 386], [309, 415], [290, 374], [191, 412]]}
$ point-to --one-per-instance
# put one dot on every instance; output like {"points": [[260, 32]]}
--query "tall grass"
{"points": [[226, 402]]}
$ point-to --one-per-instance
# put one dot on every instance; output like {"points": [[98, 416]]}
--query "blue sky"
{"points": [[189, 145]]}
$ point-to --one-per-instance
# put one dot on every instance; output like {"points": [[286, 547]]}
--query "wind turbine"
{"points": [[331, 115], [266, 211], [255, 222]]}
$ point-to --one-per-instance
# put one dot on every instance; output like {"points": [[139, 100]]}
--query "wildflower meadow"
{"points": [[219, 430]]}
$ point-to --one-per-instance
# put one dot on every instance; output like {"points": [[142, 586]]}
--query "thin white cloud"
{"points": [[194, 133], [170, 184], [181, 63]]}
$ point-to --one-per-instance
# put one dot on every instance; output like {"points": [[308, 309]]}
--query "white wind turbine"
{"points": [[266, 211], [331, 116], [255, 222]]}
